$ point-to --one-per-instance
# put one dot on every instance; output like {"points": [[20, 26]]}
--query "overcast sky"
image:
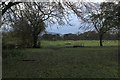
{"points": [[75, 28], [66, 28]]}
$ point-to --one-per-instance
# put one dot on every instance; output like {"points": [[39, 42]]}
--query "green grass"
{"points": [[85, 42], [84, 62]]}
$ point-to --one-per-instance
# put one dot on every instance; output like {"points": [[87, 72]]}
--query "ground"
{"points": [[60, 62]]}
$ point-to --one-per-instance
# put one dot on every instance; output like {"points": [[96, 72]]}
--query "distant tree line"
{"points": [[90, 35]]}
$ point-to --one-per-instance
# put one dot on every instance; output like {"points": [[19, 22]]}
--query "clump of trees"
{"points": [[51, 37]]}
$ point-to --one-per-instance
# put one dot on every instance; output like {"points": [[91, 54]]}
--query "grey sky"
{"points": [[66, 28]]}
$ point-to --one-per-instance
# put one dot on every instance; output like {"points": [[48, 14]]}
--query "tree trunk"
{"points": [[39, 44], [101, 37], [35, 41]]}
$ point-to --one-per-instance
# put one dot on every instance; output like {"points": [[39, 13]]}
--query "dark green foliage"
{"points": [[9, 41], [70, 36], [52, 37], [8, 46], [11, 53]]}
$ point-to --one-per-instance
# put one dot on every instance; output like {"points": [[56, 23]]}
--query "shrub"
{"points": [[12, 46], [12, 53]]}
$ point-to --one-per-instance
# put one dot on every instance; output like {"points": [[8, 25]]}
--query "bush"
{"points": [[12, 46], [12, 53], [8, 46]]}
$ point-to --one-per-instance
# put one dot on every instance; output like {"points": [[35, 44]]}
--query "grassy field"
{"points": [[59, 62], [85, 42]]}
